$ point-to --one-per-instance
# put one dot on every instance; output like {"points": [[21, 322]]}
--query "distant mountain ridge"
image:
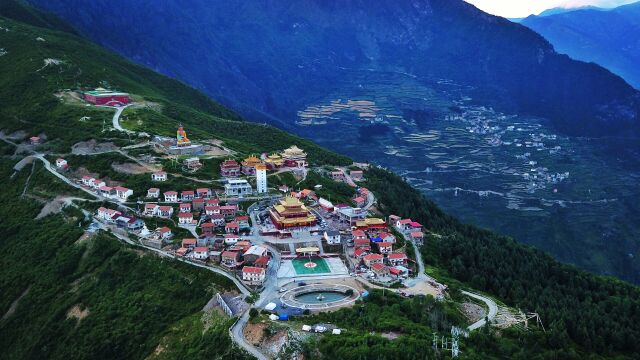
{"points": [[610, 38], [229, 50]]}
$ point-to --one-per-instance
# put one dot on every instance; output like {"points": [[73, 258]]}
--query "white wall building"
{"points": [[261, 178], [237, 187]]}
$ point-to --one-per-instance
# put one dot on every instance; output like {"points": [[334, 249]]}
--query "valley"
{"points": [[515, 174]]}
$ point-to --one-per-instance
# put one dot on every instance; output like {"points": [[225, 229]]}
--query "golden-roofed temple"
{"points": [[249, 165], [274, 161], [291, 212]]}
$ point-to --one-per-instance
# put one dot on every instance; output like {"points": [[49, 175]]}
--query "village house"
{"points": [[232, 228], [229, 168], [153, 193], [217, 219], [203, 193], [262, 262], [185, 218], [215, 256], [326, 205], [164, 233], [371, 259], [332, 237], [243, 222], [417, 237], [208, 229], [237, 187], [228, 210], [35, 140], [182, 251], [362, 244], [359, 235], [151, 209], [254, 252], [380, 269], [212, 210], [198, 204], [200, 253], [230, 259], [395, 259], [385, 248], [231, 239], [393, 219], [387, 237], [359, 201], [192, 164], [359, 253], [356, 175], [187, 195], [398, 272], [159, 176], [61, 163], [171, 196], [165, 211], [253, 275], [403, 224], [185, 207], [97, 183], [189, 243], [349, 214], [337, 175], [107, 191], [107, 214], [213, 202], [87, 181]]}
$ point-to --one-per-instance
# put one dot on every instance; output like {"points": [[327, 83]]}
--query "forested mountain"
{"points": [[66, 297], [272, 57], [606, 37]]}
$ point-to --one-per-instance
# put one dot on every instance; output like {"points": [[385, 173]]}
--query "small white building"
{"points": [[332, 237], [231, 239], [164, 233], [123, 193], [253, 275], [185, 218], [61, 163], [200, 253], [171, 196], [97, 184], [237, 187], [153, 193], [159, 176], [151, 209]]}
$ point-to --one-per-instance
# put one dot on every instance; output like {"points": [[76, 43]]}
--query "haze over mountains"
{"points": [[456, 100], [610, 38]]}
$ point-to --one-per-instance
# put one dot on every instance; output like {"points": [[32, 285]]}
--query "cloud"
{"points": [[522, 8]]}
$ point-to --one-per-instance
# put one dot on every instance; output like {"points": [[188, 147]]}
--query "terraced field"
{"points": [[502, 171]]}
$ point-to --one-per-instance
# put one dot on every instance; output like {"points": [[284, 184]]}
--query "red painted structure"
{"points": [[106, 98]]}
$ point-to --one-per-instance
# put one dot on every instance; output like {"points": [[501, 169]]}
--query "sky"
{"points": [[523, 8]]}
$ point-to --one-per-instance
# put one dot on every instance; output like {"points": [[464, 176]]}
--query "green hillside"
{"points": [[64, 296]]}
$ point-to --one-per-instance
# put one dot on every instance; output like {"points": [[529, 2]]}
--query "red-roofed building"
{"points": [[189, 243], [159, 176], [231, 239], [217, 219], [397, 273], [171, 196], [151, 209], [386, 237], [362, 244], [185, 218], [359, 201], [385, 247], [228, 210], [213, 202], [380, 269], [185, 207], [187, 195], [123, 193], [200, 253], [417, 237], [358, 235], [230, 168], [198, 204], [262, 261], [153, 193], [371, 259], [232, 228], [358, 253], [395, 259], [165, 211], [253, 274], [356, 175], [208, 229], [403, 224], [415, 226], [181, 251], [164, 232], [230, 259]]}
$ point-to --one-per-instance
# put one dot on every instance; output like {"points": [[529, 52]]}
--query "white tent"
{"points": [[306, 328], [336, 331], [270, 306], [273, 317]]}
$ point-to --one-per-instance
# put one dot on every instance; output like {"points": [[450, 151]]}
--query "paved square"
{"points": [[320, 267]]}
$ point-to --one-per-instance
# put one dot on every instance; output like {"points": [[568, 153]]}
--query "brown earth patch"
{"points": [[130, 168], [254, 333], [77, 313], [92, 146]]}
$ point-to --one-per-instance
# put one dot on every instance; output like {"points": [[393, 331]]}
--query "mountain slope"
{"points": [[260, 56], [132, 295], [606, 37]]}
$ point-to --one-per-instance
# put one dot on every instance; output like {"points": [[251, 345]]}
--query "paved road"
{"points": [[116, 120], [493, 310]]}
